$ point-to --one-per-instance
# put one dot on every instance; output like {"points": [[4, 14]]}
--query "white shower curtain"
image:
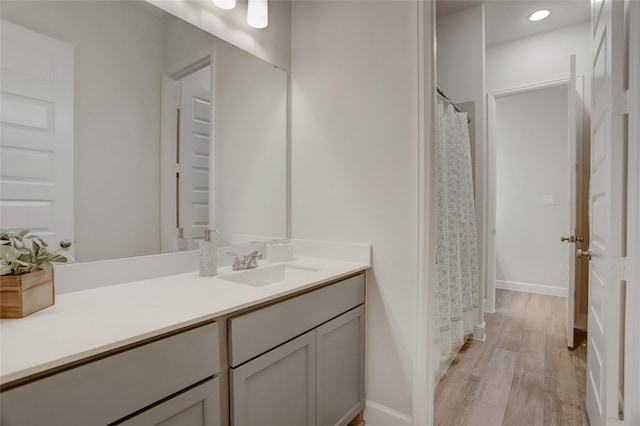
{"points": [[457, 253]]}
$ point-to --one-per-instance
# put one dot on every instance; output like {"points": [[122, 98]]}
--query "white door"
{"points": [[36, 134], [194, 148], [606, 199], [573, 237]]}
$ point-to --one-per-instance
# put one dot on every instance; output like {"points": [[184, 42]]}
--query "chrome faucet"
{"points": [[247, 262]]}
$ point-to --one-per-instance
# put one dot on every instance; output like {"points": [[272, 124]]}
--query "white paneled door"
{"points": [[195, 128], [36, 134], [606, 220]]}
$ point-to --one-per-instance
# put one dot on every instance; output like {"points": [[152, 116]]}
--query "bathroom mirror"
{"points": [[132, 64]]}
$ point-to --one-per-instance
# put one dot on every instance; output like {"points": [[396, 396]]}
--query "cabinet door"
{"points": [[340, 368], [277, 388], [199, 406]]}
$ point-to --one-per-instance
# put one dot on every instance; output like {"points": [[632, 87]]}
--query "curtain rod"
{"points": [[455, 107], [441, 93]]}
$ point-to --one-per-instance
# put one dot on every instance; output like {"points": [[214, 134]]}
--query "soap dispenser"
{"points": [[208, 254], [180, 243]]}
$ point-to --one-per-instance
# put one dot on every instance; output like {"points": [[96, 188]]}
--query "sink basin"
{"points": [[269, 275]]}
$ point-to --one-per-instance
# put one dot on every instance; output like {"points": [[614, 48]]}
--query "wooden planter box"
{"points": [[22, 295]]}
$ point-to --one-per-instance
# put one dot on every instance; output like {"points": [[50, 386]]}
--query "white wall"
{"points": [[271, 43], [532, 163], [250, 142], [461, 74], [540, 58], [355, 167]]}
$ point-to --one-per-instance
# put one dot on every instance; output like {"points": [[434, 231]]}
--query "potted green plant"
{"points": [[26, 273]]}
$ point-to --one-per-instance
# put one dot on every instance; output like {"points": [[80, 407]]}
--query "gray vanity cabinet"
{"points": [[154, 380], [277, 388], [313, 378]]}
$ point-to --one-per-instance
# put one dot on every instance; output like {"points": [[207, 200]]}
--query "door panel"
{"points": [[194, 179], [340, 368], [606, 220], [36, 140]]}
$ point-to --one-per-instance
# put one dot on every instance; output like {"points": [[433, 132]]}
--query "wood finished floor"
{"points": [[522, 374]]}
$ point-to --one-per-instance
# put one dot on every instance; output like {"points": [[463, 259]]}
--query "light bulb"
{"points": [[539, 15], [258, 13], [225, 4]]}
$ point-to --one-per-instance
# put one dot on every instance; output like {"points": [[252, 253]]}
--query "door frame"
{"points": [[490, 191], [424, 360], [169, 100], [632, 308]]}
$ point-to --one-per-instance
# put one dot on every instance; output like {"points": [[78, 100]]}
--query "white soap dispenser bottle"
{"points": [[208, 254], [180, 243]]}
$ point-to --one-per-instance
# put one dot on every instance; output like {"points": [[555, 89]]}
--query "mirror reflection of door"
{"points": [[186, 144], [36, 140], [193, 154]]}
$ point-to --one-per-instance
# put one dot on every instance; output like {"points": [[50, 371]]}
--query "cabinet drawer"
{"points": [[199, 406], [256, 332], [111, 388]]}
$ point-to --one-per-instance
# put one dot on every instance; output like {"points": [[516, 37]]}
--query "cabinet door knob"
{"points": [[65, 243]]}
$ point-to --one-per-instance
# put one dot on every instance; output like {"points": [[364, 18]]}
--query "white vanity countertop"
{"points": [[87, 323]]}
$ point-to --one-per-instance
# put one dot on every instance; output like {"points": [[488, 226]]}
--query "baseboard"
{"points": [[480, 331], [379, 415], [489, 308], [549, 290]]}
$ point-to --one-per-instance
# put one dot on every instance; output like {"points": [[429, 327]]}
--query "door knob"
{"points": [[570, 239], [65, 243], [584, 254], [580, 239]]}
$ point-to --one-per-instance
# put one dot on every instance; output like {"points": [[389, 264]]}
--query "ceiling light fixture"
{"points": [[539, 15], [225, 4], [258, 13]]}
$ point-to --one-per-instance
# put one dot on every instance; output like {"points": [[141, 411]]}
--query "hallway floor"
{"points": [[522, 374]]}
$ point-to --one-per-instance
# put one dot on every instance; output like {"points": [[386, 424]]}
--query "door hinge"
{"points": [[621, 103], [620, 268], [177, 168]]}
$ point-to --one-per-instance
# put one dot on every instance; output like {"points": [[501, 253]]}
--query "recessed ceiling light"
{"points": [[539, 15]]}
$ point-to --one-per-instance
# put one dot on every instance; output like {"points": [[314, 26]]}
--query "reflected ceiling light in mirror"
{"points": [[258, 13], [539, 15], [225, 4]]}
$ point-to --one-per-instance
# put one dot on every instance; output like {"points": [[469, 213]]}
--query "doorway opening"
{"points": [[538, 191], [531, 192], [186, 159], [520, 87]]}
